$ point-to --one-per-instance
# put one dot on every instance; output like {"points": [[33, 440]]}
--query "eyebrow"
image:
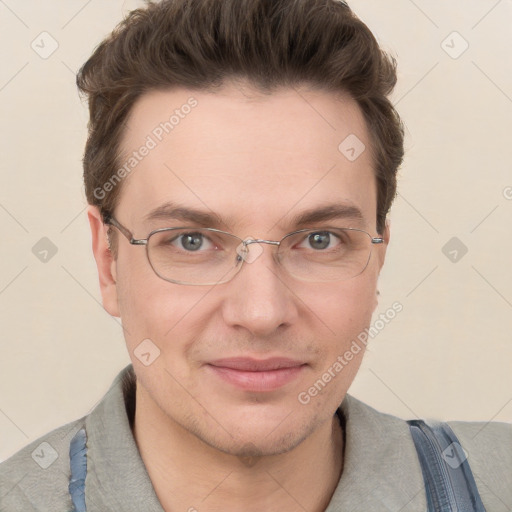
{"points": [[333, 211]]}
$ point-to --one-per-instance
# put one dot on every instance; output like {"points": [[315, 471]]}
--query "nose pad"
{"points": [[249, 255]]}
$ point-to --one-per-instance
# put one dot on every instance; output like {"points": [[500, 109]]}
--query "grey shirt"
{"points": [[381, 468]]}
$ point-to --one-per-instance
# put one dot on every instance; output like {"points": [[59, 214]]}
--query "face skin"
{"points": [[256, 161]]}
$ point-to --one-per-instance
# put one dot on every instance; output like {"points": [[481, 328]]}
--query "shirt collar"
{"points": [[116, 476]]}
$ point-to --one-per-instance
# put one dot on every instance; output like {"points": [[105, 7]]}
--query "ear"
{"points": [[107, 266]]}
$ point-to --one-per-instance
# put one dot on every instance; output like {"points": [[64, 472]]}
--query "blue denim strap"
{"points": [[448, 479], [78, 463]]}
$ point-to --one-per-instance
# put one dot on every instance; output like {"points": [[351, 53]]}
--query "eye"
{"points": [[321, 240], [191, 242]]}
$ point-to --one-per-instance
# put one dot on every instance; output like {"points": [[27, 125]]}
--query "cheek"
{"points": [[145, 301], [160, 311], [347, 312], [347, 309]]}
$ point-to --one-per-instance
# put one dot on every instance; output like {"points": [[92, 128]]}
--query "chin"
{"points": [[263, 440]]}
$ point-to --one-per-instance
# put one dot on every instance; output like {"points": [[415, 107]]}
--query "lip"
{"points": [[257, 375], [250, 364]]}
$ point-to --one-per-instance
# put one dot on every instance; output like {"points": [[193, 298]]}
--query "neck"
{"points": [[189, 475]]}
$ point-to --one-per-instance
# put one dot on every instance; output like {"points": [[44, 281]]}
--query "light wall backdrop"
{"points": [[446, 355]]}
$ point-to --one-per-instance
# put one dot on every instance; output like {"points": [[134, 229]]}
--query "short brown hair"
{"points": [[199, 44]]}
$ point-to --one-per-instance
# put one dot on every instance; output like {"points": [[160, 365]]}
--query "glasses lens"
{"points": [[193, 256], [207, 256], [333, 254]]}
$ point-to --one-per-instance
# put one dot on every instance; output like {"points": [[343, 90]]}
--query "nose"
{"points": [[259, 297]]}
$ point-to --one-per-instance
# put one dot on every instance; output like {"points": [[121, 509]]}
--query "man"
{"points": [[241, 162]]}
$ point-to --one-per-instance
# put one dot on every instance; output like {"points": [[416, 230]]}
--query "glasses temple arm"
{"points": [[108, 219]]}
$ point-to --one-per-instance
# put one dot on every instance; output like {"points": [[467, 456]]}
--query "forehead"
{"points": [[246, 156]]}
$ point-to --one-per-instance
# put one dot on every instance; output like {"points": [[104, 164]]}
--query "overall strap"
{"points": [[448, 479], [78, 463]]}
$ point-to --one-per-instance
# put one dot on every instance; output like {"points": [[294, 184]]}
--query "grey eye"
{"points": [[191, 241], [319, 240]]}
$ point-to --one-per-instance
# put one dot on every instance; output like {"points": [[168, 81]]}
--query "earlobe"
{"points": [[105, 263]]}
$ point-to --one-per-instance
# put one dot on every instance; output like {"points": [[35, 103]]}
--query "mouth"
{"points": [[257, 375]]}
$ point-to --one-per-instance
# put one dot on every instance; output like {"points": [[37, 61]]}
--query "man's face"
{"points": [[256, 163]]}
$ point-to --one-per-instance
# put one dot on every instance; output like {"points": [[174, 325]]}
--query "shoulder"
{"points": [[376, 438], [37, 476], [484, 433], [488, 447], [490, 437]]}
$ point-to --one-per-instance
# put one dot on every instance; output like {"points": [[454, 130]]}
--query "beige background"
{"points": [[446, 355]]}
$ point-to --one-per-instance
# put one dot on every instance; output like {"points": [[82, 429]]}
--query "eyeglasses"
{"points": [[208, 256]]}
